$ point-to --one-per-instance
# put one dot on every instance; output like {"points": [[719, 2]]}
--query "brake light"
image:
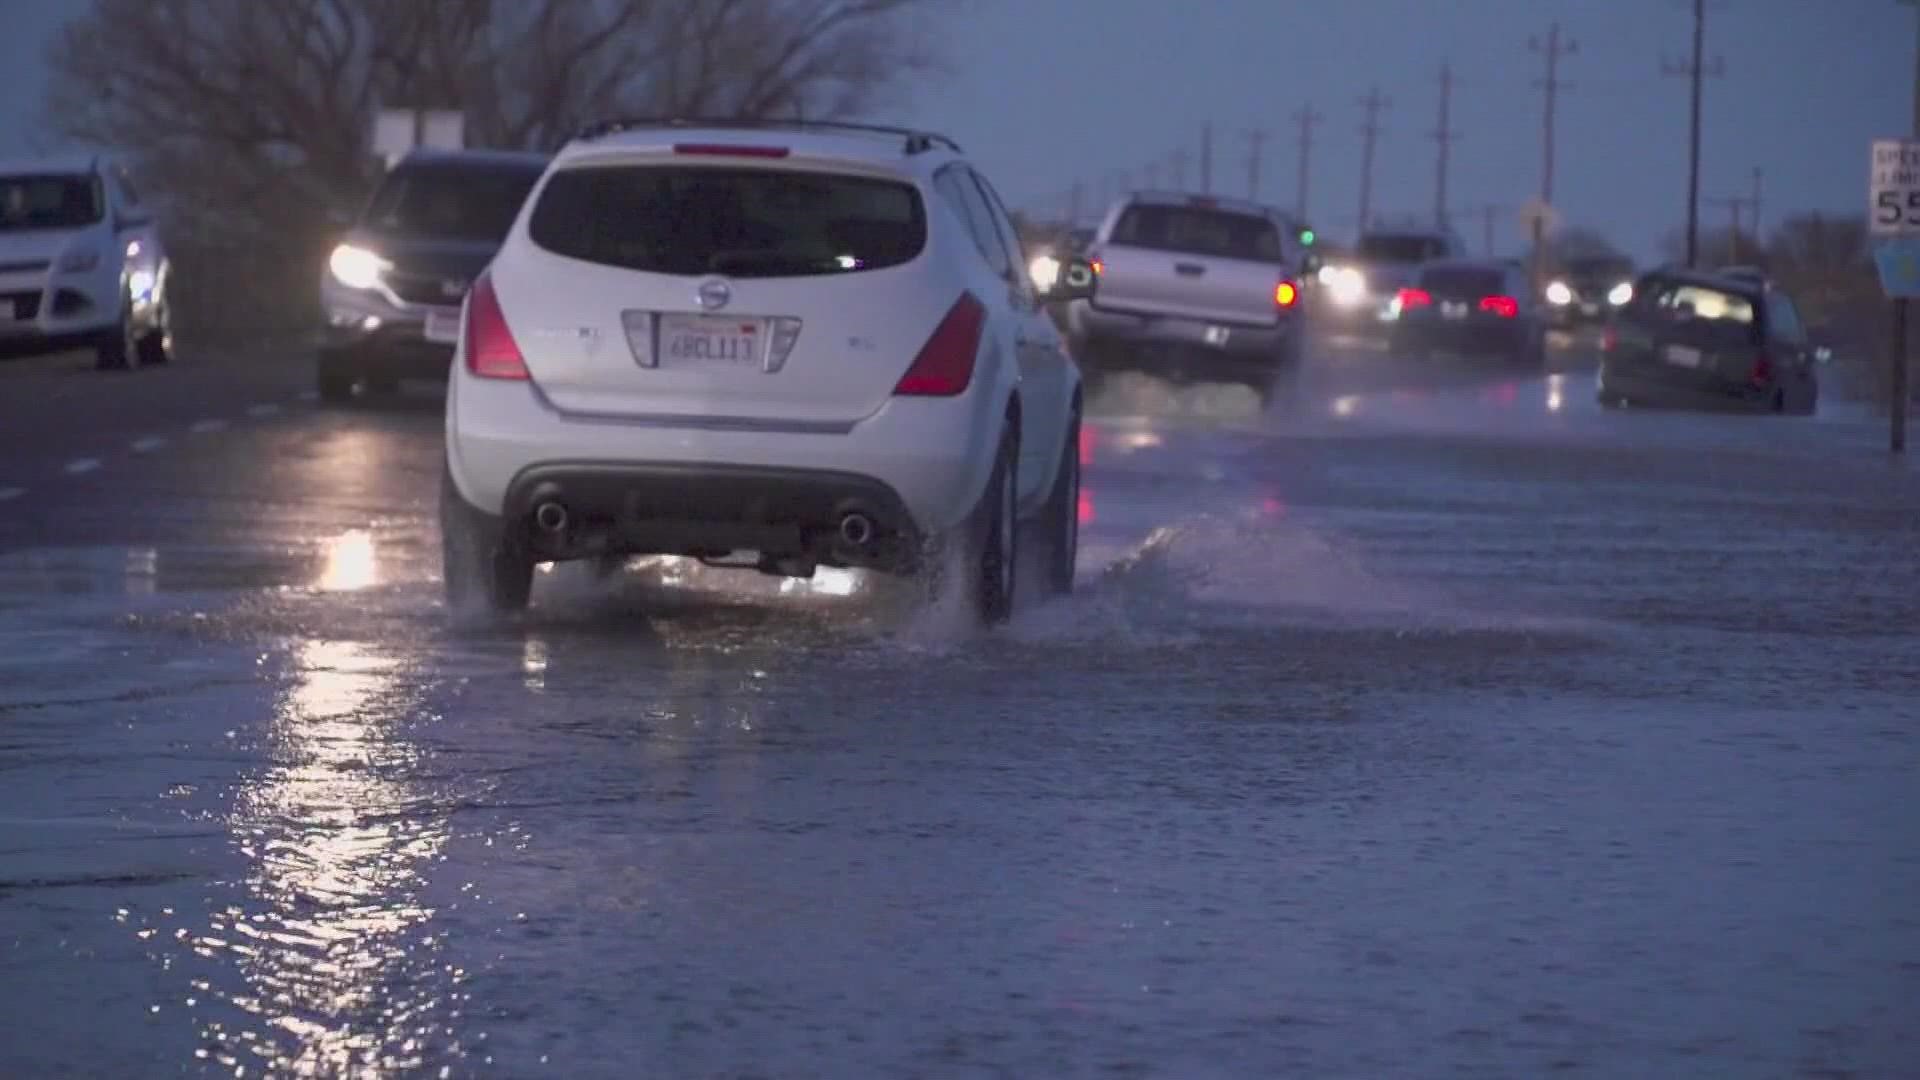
{"points": [[1504, 306], [491, 351], [1413, 298], [1285, 294], [1099, 267], [1762, 372], [945, 364], [724, 150]]}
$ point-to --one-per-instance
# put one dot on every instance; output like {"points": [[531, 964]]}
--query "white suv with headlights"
{"points": [[778, 346], [81, 263]]}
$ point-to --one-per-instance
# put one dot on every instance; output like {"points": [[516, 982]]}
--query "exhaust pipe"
{"points": [[551, 517], [856, 529]]}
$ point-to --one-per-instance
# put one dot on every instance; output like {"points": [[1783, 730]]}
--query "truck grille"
{"points": [[29, 267], [429, 289]]}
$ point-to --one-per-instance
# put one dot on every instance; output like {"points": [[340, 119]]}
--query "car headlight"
{"points": [[1620, 295], [356, 267], [1044, 270], [1348, 287], [79, 262], [1559, 295]]}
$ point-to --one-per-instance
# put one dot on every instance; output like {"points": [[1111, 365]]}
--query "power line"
{"points": [[1695, 70], [1445, 136], [1306, 119], [1369, 133], [1256, 143]]}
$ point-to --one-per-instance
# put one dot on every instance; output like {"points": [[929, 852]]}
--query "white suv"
{"points": [[779, 346], [81, 263]]}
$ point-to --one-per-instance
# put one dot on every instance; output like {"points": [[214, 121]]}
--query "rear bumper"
{"points": [[1653, 386], [713, 510], [1097, 326], [1472, 336]]}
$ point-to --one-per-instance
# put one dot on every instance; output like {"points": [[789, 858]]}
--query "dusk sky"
{"points": [[1047, 92]]}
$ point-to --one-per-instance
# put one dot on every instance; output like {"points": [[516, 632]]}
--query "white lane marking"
{"points": [[82, 465], [149, 444], [262, 411], [207, 427], [7, 494]]}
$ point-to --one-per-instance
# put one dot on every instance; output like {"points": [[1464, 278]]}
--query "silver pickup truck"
{"points": [[1185, 275]]}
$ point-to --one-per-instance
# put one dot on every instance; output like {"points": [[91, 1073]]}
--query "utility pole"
{"points": [[1489, 216], [1695, 70], [1206, 158], [1369, 133], [1073, 203], [1733, 203], [1759, 179], [1554, 47], [1445, 136], [1256, 143], [1306, 119], [1178, 164]]}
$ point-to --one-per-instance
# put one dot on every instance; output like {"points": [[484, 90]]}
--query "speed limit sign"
{"points": [[1893, 205]]}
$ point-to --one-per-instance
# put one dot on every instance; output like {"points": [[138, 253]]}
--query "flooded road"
{"points": [[1414, 722]]}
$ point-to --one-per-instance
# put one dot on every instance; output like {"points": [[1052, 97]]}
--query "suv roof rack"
{"points": [[916, 141]]}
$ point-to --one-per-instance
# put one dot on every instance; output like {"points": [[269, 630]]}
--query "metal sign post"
{"points": [[1893, 215]]}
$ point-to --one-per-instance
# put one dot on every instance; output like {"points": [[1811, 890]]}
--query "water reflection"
{"points": [[348, 562], [328, 934], [1556, 397]]}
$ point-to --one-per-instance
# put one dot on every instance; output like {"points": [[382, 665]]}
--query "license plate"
{"points": [[1682, 356], [1216, 335], [7, 311], [443, 326], [1589, 309], [1453, 311], [711, 339]]}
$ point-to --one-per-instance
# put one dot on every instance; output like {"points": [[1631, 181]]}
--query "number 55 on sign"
{"points": [[1894, 195]]}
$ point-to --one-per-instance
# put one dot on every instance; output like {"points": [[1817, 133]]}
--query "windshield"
{"points": [[739, 222], [449, 202], [1398, 248], [49, 202], [1195, 230]]}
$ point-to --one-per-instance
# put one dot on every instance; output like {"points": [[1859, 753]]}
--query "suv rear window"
{"points": [[1195, 230], [1720, 314], [1399, 248], [691, 220], [1469, 282], [49, 202], [451, 202]]}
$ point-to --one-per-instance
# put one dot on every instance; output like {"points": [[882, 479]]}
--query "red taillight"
{"points": [[1762, 373], [1504, 306], [1285, 294], [1413, 298], [1609, 339], [723, 150], [491, 351], [945, 364], [1099, 267]]}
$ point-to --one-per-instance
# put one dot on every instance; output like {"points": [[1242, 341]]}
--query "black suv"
{"points": [[1712, 340], [393, 286]]}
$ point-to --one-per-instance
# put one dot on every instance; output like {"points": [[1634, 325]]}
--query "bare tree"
{"points": [[252, 117]]}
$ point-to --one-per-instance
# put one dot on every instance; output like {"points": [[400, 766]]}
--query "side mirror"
{"points": [[1062, 280]]}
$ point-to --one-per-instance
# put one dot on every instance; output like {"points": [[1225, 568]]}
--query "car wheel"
{"points": [[118, 346], [1061, 520], [989, 540], [484, 565], [332, 381]]}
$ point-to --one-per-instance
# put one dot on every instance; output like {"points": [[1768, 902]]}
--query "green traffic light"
{"points": [[1306, 237]]}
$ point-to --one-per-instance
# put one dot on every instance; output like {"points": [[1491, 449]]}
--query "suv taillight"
{"points": [[1504, 306], [491, 351], [1413, 298], [1286, 294], [945, 364]]}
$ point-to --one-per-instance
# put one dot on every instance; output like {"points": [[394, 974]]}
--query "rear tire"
{"points": [[988, 541], [156, 345], [332, 381], [483, 563], [1061, 519]]}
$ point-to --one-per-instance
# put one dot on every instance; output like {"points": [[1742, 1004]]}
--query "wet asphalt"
{"points": [[1416, 721]]}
